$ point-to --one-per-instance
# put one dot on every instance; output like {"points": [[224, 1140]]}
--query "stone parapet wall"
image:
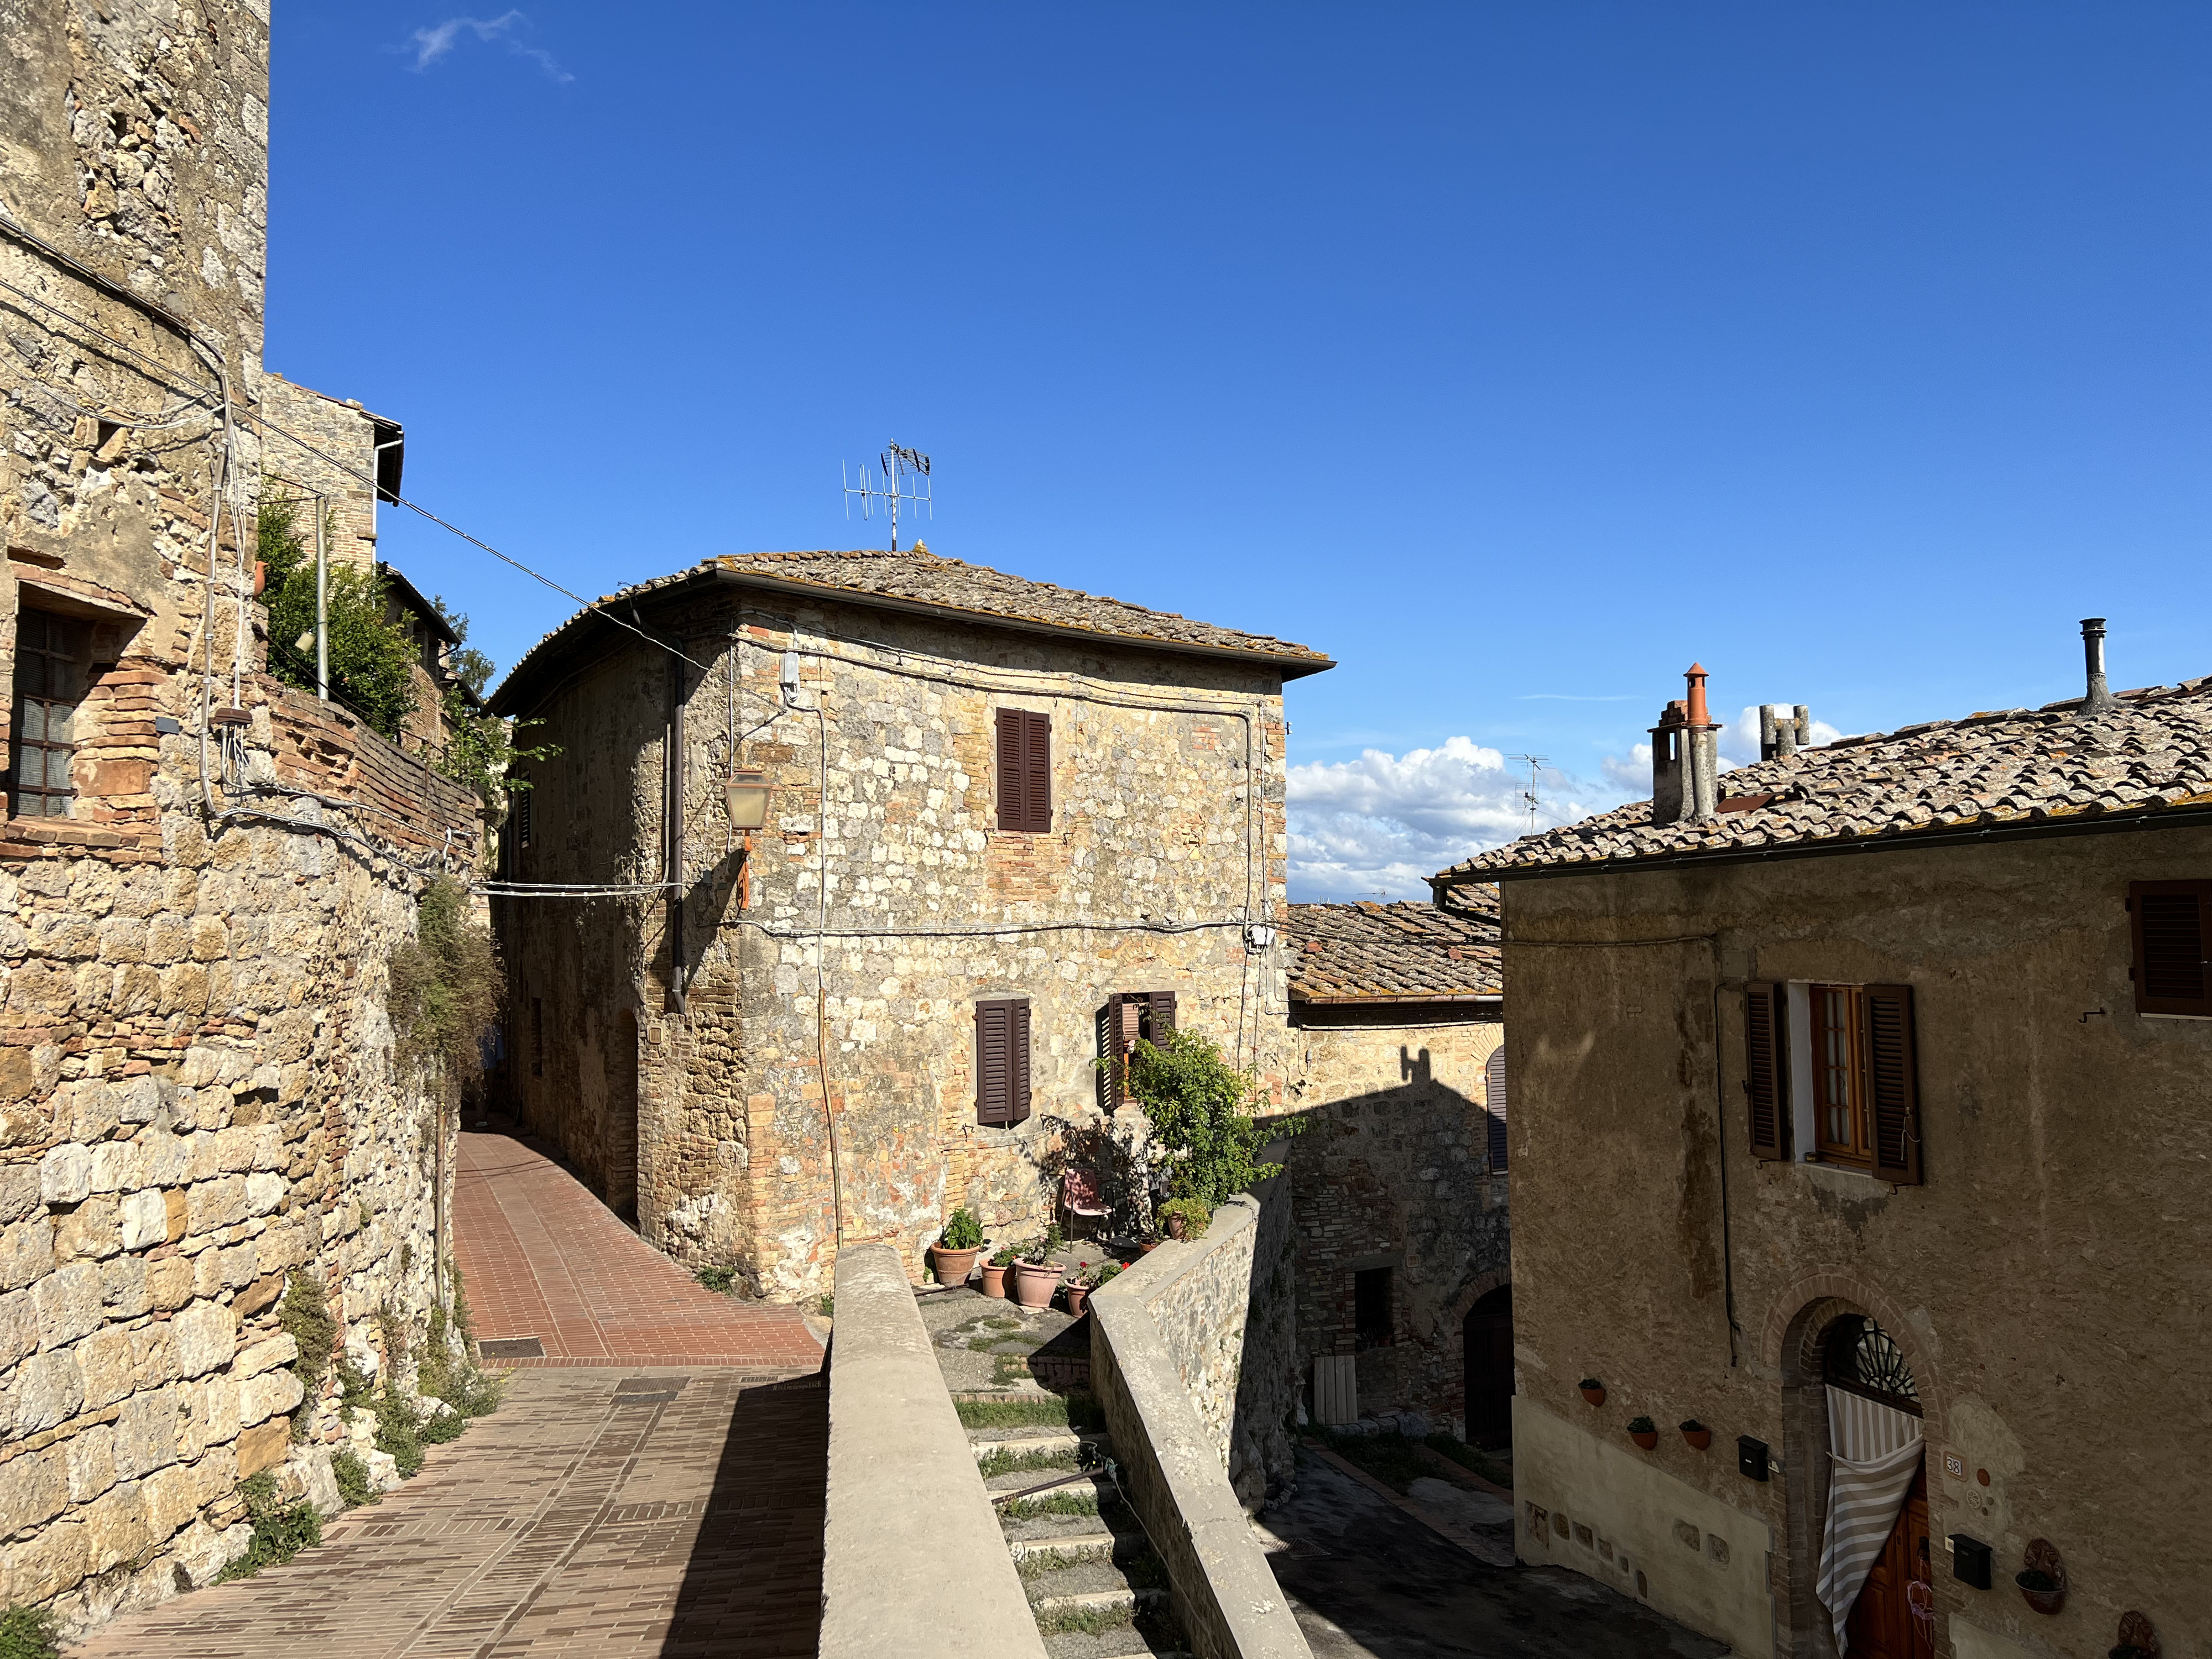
{"points": [[913, 1560], [1171, 1339]]}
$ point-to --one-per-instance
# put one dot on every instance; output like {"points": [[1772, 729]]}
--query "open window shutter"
{"points": [[1117, 1067], [1164, 1016], [1036, 764], [1493, 1106], [1013, 734], [1018, 1061], [994, 1091], [1763, 1074], [2171, 922], [1892, 1086]]}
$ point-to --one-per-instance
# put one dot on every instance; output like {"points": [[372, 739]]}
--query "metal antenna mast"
{"points": [[904, 477], [1529, 795]]}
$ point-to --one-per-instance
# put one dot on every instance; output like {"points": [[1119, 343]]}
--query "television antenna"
{"points": [[1529, 795], [904, 476]]}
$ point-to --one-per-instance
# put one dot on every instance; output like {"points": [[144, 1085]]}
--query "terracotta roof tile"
{"points": [[2013, 766], [1371, 952]]}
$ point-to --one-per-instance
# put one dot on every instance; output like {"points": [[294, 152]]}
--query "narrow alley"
{"points": [[652, 1486]]}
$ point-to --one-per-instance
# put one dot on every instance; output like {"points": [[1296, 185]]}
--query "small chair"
{"points": [[1079, 1198]]}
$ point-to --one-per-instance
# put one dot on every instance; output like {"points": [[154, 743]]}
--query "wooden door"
{"points": [[1487, 1358], [1882, 1624]]}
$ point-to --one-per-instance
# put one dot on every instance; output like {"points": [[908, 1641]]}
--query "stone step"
{"points": [[1062, 1440], [1068, 1543], [1125, 1599], [1072, 1480]]}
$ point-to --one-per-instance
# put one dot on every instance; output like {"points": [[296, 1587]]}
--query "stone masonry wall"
{"points": [[197, 1096], [1392, 1172], [1164, 841]]}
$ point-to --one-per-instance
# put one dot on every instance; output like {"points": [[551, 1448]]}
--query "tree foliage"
{"points": [[1201, 1109], [372, 657], [446, 987]]}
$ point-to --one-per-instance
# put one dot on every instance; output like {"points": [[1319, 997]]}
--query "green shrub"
{"points": [[433, 1370], [1201, 1109], [354, 1484], [1196, 1214], [356, 1388], [446, 987], [29, 1634], [280, 1530], [304, 1316], [372, 657], [444, 1426], [720, 1280], [828, 1307], [398, 1432], [962, 1231]]}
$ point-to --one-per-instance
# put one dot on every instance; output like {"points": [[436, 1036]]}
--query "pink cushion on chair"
{"points": [[1078, 1190]]}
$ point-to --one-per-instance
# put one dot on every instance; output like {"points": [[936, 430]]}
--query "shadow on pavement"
{"points": [[1370, 1582], [752, 1588]]}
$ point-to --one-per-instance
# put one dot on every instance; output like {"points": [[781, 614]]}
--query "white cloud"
{"points": [[1384, 823], [437, 41]]}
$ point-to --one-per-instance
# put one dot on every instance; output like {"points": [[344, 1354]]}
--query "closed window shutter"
{"points": [[1036, 763], [1018, 1048], [1164, 1016], [1764, 1076], [994, 1062], [1892, 1086], [1013, 735], [2171, 922], [1493, 1106]]}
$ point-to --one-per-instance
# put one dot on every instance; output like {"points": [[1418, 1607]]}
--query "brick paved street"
{"points": [[543, 1258], [653, 1487]]}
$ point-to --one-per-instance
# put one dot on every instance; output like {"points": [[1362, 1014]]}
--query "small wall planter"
{"points": [[2042, 1578], [1033, 1286], [1593, 1391], [994, 1281], [951, 1266], [1697, 1434], [1643, 1432]]}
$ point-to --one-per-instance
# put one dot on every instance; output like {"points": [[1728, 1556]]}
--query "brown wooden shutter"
{"points": [[1164, 1016], [1014, 740], [1017, 1047], [2172, 924], [1765, 1073], [1037, 780], [1494, 1107], [994, 1090], [1892, 1084], [1109, 1044]]}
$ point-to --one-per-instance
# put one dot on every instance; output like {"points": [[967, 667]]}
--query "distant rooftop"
{"points": [[2004, 769], [1408, 951]]}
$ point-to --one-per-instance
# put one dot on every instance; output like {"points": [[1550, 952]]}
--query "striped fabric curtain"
{"points": [[1875, 1451]]}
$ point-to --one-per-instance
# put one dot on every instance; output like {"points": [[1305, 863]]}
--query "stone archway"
{"points": [[1456, 1316], [1793, 1345]]}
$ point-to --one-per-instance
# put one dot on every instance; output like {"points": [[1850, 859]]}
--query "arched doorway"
{"points": [[1874, 1411], [1487, 1358]]}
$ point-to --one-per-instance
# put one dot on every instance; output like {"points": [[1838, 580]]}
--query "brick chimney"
{"points": [[1686, 765]]}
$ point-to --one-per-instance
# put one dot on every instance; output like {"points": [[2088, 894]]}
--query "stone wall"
{"points": [[1185, 1369], [2031, 1280], [1392, 1171], [1166, 839], [197, 1093], [342, 428]]}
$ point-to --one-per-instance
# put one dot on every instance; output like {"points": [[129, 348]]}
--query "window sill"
{"points": [[66, 832], [2201, 1019], [1822, 1166]]}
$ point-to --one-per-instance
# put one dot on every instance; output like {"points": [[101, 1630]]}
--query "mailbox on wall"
{"points": [[1751, 1458], [1969, 1560]]}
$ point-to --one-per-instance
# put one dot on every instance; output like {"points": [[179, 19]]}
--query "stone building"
{"points": [[998, 808], [202, 873], [1394, 1057], [1860, 1116]]}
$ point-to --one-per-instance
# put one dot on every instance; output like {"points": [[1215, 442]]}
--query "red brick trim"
{"points": [[1477, 1288]]}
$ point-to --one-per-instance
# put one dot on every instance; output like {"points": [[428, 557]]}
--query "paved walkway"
{"points": [[543, 1260], [652, 1487]]}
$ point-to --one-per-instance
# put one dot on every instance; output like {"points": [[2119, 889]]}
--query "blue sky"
{"points": [[1514, 356]]}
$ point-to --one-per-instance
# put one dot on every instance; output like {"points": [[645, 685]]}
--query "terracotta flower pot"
{"points": [[1079, 1295], [1595, 1396], [1177, 1226], [951, 1266], [1698, 1438], [1147, 1246], [994, 1281], [1033, 1286], [1645, 1440]]}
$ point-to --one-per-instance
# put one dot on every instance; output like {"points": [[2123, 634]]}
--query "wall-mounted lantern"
{"points": [[746, 794]]}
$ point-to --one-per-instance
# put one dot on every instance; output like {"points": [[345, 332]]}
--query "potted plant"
{"points": [[952, 1258], [1697, 1434], [994, 1271], [2137, 1639], [1593, 1391], [1644, 1432], [1036, 1275], [1086, 1279], [1186, 1217], [2042, 1577]]}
